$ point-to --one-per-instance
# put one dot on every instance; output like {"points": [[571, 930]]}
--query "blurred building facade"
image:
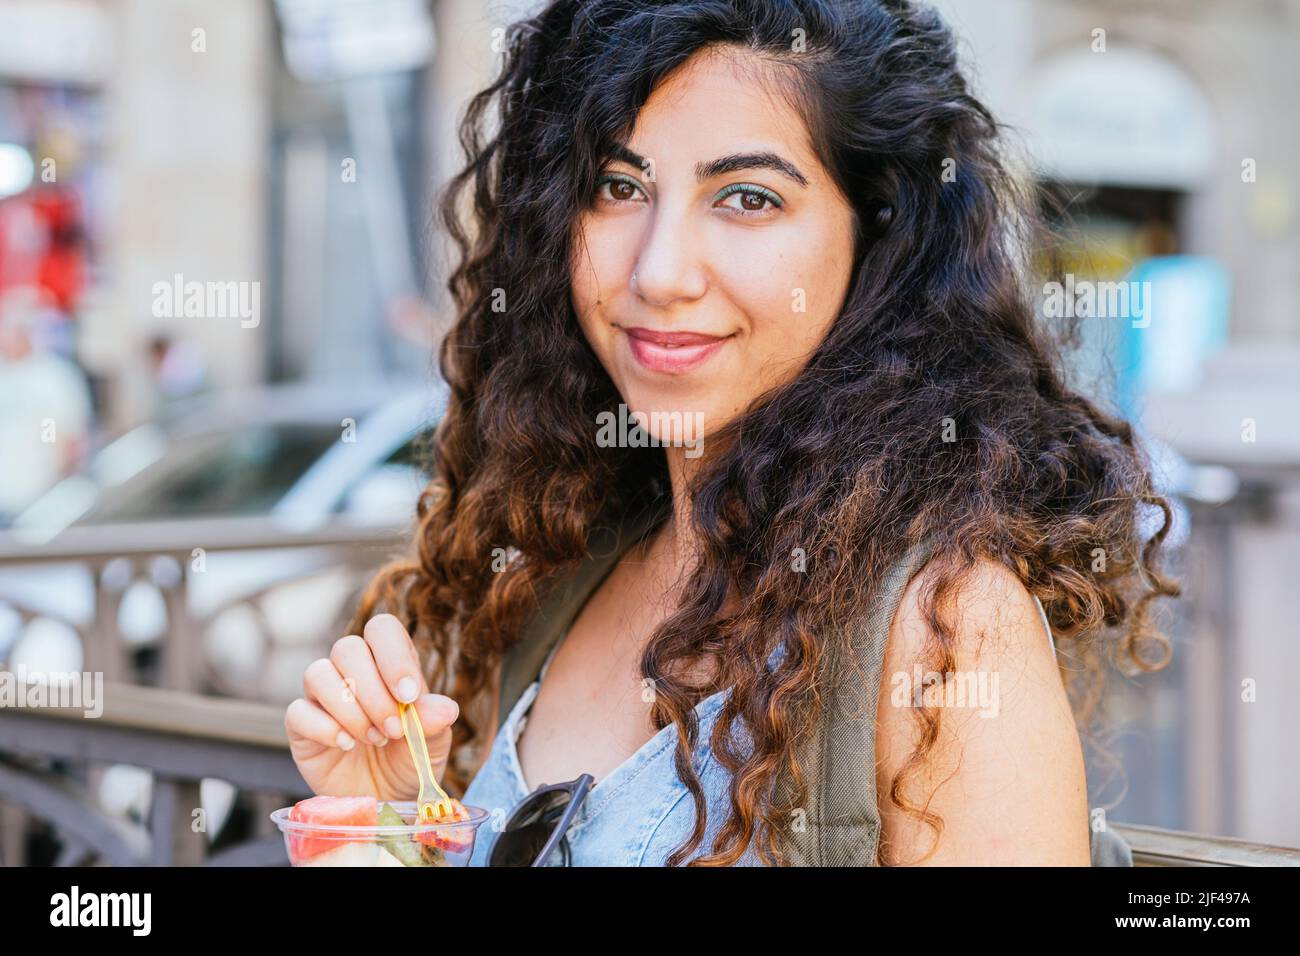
{"points": [[1172, 126], [1182, 93]]}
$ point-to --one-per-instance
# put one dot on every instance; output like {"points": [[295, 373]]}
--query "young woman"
{"points": [[786, 228]]}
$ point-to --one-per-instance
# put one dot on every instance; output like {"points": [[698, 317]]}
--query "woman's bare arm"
{"points": [[1006, 772]]}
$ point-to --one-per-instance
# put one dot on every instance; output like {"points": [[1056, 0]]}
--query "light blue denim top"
{"points": [[635, 816]]}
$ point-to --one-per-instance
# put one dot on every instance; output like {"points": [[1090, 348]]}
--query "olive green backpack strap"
{"points": [[562, 598], [841, 826], [841, 822]]}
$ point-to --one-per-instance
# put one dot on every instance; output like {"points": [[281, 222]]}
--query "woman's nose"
{"points": [[669, 267]]}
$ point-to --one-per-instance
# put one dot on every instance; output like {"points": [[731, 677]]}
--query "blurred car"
{"points": [[299, 456]]}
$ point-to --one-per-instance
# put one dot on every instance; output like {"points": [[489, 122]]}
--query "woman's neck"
{"points": [[671, 554], [675, 547], [677, 544]]}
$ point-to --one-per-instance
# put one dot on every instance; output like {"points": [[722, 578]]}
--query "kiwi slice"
{"points": [[403, 847]]}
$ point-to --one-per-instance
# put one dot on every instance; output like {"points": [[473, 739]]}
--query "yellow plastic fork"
{"points": [[428, 810]]}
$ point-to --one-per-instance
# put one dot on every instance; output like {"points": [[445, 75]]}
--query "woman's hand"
{"points": [[345, 733]]}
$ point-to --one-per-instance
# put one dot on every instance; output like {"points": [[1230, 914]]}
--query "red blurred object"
{"points": [[42, 243]]}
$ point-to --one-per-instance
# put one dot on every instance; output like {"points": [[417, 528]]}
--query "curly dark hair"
{"points": [[851, 461]]}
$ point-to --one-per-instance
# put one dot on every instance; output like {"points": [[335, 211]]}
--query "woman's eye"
{"points": [[620, 189], [743, 199], [748, 200]]}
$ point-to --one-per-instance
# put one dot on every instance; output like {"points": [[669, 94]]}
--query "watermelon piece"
{"points": [[452, 839], [328, 811]]}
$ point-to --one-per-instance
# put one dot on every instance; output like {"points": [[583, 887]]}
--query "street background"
{"points": [[294, 149]]}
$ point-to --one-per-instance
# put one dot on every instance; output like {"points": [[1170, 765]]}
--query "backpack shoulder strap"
{"points": [[842, 822], [562, 598], [842, 827]]}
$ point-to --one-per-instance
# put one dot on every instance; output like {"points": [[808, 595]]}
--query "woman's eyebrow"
{"points": [[736, 161], [721, 165]]}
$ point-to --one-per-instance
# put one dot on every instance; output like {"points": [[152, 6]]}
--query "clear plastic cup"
{"points": [[412, 844]]}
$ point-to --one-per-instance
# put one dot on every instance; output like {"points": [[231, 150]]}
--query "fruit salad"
{"points": [[362, 831]]}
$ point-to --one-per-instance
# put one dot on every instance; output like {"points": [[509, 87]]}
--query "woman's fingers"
{"points": [[325, 686], [304, 720], [437, 713], [395, 656], [351, 656], [355, 691]]}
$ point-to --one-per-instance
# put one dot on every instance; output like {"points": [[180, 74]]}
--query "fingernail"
{"points": [[344, 741], [407, 689], [375, 737], [393, 726]]}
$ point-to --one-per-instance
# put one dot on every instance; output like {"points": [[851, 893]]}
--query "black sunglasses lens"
{"points": [[532, 826]]}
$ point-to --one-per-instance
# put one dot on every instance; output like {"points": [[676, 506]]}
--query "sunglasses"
{"points": [[539, 823]]}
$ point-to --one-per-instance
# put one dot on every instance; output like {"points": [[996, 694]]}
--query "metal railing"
{"points": [[182, 738], [167, 556], [1153, 846], [48, 754]]}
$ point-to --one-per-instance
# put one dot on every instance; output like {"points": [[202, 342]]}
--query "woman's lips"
{"points": [[672, 351]]}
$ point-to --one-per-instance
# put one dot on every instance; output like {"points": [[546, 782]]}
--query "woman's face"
{"points": [[716, 254]]}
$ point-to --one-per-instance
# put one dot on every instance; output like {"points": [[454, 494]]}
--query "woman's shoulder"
{"points": [[1005, 771], [988, 601]]}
